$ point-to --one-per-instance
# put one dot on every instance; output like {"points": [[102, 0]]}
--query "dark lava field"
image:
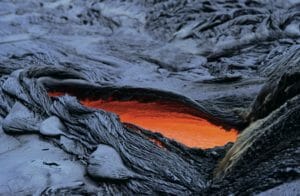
{"points": [[150, 97]]}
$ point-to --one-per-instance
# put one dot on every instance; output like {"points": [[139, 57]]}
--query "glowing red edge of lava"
{"points": [[169, 119]]}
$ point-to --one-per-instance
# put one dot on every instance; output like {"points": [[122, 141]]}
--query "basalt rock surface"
{"points": [[235, 61]]}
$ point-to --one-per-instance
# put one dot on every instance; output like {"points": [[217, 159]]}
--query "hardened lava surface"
{"points": [[237, 62]]}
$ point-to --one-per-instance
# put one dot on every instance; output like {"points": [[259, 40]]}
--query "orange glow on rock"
{"points": [[168, 118], [56, 94]]}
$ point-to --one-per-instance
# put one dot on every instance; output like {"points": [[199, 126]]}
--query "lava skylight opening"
{"points": [[168, 118]]}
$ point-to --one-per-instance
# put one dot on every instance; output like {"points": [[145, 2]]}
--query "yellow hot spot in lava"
{"points": [[170, 119]]}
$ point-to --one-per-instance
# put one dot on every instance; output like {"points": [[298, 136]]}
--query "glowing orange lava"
{"points": [[169, 119]]}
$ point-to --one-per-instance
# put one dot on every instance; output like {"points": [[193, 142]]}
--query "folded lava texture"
{"points": [[232, 64]]}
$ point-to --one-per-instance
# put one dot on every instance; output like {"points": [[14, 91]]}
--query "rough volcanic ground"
{"points": [[236, 61]]}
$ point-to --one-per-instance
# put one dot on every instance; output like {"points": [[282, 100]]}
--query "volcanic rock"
{"points": [[106, 163], [236, 62], [52, 126]]}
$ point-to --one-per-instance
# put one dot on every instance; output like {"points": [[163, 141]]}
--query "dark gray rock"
{"points": [[265, 154], [283, 84], [236, 61]]}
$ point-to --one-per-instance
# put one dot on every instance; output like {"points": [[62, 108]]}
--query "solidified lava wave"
{"points": [[173, 120]]}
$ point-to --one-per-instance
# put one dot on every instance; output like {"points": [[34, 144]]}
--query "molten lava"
{"points": [[168, 118]]}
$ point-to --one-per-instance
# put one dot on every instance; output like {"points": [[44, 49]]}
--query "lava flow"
{"points": [[168, 118]]}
